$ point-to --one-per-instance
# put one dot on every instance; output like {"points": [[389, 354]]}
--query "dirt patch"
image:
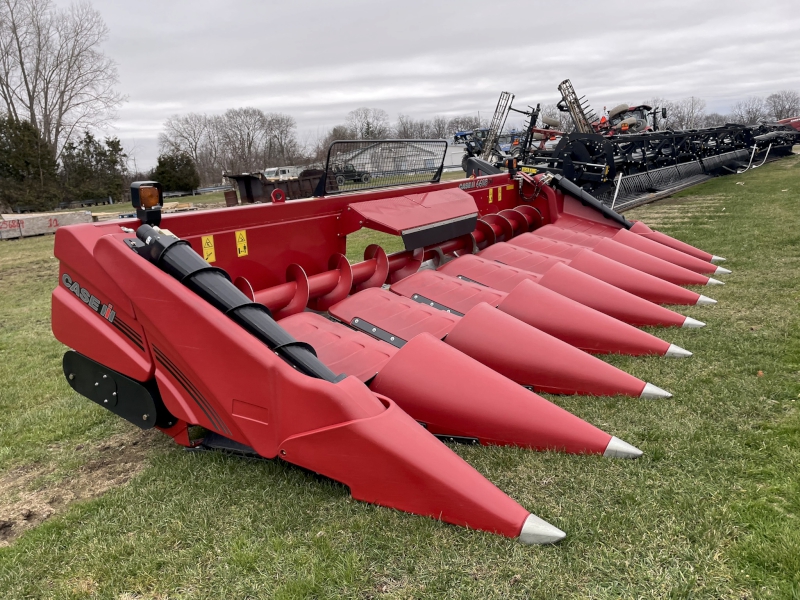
{"points": [[32, 494]]}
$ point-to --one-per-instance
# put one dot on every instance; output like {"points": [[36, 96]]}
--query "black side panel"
{"points": [[139, 403], [437, 233]]}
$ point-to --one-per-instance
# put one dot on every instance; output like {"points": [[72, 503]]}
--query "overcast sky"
{"points": [[318, 59]]}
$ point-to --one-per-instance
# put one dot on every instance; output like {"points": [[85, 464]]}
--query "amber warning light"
{"points": [[147, 198]]}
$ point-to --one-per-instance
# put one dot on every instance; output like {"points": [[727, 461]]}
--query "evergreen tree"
{"points": [[28, 175], [91, 170], [176, 172]]}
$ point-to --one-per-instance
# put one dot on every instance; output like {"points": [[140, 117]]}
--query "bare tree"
{"points": [[282, 147], [185, 133], [200, 136], [211, 161], [322, 144], [439, 127], [406, 127], [784, 104], [688, 113], [369, 123], [750, 111], [242, 139], [694, 111], [52, 72], [422, 129], [464, 123], [244, 135], [716, 120]]}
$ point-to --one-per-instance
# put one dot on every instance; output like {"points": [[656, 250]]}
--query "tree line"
{"points": [[690, 113], [237, 141], [55, 85], [247, 139]]}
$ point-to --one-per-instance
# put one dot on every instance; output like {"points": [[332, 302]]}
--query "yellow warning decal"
{"points": [[530, 170], [491, 195], [241, 243], [510, 187], [499, 194], [208, 248]]}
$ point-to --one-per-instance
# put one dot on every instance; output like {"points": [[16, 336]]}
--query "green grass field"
{"points": [[712, 510]]}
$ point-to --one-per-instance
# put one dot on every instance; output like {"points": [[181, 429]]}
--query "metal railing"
{"points": [[368, 164]]}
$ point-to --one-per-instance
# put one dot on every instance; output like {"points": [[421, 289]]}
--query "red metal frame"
{"points": [[290, 256]]}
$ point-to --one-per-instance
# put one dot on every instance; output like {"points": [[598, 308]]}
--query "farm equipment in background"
{"points": [[258, 187], [247, 329], [625, 159], [483, 142], [507, 144], [535, 138], [531, 139], [496, 125], [793, 122], [780, 136], [622, 119], [473, 143], [583, 116]]}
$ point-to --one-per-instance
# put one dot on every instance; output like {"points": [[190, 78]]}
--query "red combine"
{"points": [[250, 323], [793, 122]]}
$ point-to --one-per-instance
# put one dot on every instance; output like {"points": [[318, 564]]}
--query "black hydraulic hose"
{"points": [[176, 257], [587, 199]]}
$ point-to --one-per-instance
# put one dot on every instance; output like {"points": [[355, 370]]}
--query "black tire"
{"points": [[365, 178], [464, 163], [340, 180]]}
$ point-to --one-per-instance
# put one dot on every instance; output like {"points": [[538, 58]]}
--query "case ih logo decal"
{"points": [[475, 184], [90, 300]]}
